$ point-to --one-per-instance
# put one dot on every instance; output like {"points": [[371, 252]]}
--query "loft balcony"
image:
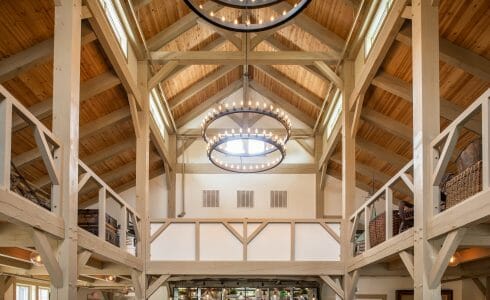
{"points": [[245, 246], [383, 226]]}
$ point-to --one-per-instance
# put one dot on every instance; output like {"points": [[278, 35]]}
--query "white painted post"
{"points": [[486, 142], [5, 142], [425, 61], [124, 227], [102, 212], [66, 103], [348, 172], [389, 213]]}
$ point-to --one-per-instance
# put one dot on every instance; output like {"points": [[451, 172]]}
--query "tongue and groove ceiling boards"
{"points": [[196, 65]]}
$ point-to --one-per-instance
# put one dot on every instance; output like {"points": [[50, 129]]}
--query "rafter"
{"points": [[200, 85], [238, 58], [402, 89], [284, 104], [88, 89], [388, 124], [40, 53], [229, 35], [176, 29], [203, 106], [172, 69], [291, 85], [454, 55], [398, 161], [86, 131]]}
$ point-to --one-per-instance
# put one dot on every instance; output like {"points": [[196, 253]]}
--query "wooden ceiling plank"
{"points": [[384, 122], [382, 153], [455, 56], [402, 89], [229, 35], [176, 29], [275, 43], [169, 71], [199, 86], [323, 34], [108, 152], [24, 60], [202, 107], [391, 26], [284, 104], [86, 131], [88, 89], [238, 58], [291, 85]]}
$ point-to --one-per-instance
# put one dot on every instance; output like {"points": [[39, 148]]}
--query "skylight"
{"points": [[156, 111], [245, 147], [334, 116], [116, 24], [375, 26]]}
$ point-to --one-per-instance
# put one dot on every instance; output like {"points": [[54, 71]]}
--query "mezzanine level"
{"points": [[460, 221]]}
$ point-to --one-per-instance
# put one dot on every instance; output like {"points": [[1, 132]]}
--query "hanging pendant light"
{"points": [[246, 15]]}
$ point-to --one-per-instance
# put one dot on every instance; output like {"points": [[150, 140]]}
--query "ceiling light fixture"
{"points": [[247, 15]]}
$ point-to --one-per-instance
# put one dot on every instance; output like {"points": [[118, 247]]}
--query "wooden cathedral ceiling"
{"points": [[107, 143]]}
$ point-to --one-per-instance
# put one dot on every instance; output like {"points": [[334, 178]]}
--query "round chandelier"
{"points": [[247, 15], [246, 150]]}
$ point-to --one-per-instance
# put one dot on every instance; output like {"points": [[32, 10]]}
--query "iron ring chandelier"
{"points": [[279, 149], [271, 148], [247, 15]]}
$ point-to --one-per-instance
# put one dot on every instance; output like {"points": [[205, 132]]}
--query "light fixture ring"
{"points": [[248, 26], [280, 148], [222, 111]]}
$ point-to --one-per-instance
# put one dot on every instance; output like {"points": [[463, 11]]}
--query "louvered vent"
{"points": [[210, 198], [279, 199], [245, 199]]}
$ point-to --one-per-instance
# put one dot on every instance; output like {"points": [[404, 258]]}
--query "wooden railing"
{"points": [[14, 204], [285, 239], [127, 212], [474, 208], [386, 193]]}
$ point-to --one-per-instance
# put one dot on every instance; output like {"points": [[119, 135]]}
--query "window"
{"points": [[23, 292], [376, 22], [245, 147], [210, 198], [156, 111], [116, 24], [245, 199], [334, 115], [279, 199], [43, 293]]}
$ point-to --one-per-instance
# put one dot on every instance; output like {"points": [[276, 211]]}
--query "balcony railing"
{"points": [[19, 199], [243, 240], [127, 218]]}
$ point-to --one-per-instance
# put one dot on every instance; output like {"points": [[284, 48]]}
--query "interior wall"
{"points": [[333, 197]]}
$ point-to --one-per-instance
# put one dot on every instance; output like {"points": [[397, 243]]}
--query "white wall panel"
{"points": [[272, 244], [218, 244], [314, 243], [177, 242]]}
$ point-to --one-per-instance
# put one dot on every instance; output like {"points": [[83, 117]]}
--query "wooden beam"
{"points": [[426, 127], [108, 152], [173, 31], [206, 104], [38, 54], [237, 58], [292, 85], [455, 56], [229, 35], [111, 47], [155, 285], [407, 259], [199, 86], [480, 285], [250, 268], [387, 33], [88, 89], [402, 89], [284, 104], [386, 123], [310, 150], [207, 168], [441, 262], [83, 258], [398, 161], [48, 257], [334, 286]]}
